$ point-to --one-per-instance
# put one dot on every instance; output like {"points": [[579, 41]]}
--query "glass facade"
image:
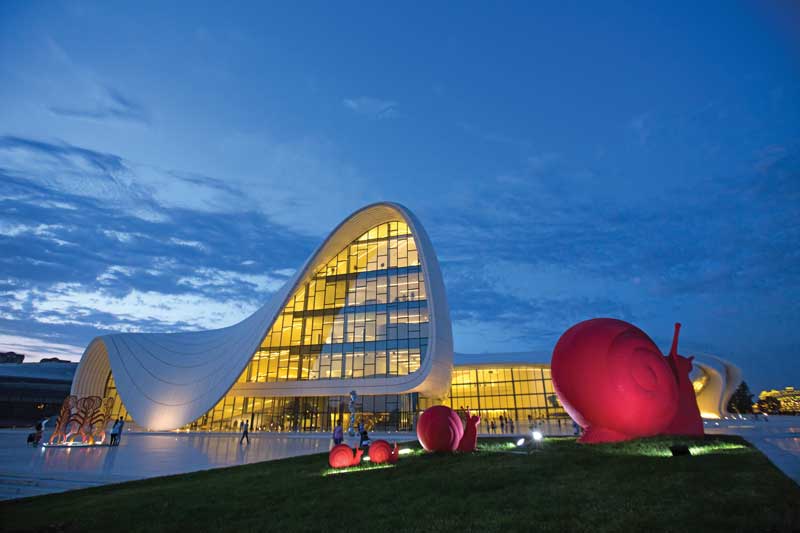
{"points": [[111, 392], [522, 394], [362, 315], [310, 413]]}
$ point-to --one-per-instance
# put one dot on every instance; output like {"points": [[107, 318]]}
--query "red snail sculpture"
{"points": [[439, 429], [381, 451], [614, 382], [341, 456]]}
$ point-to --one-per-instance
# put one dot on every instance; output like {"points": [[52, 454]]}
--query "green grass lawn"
{"points": [[725, 486]]}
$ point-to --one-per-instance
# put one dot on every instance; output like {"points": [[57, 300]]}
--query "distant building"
{"points": [[784, 402], [32, 391], [11, 357]]}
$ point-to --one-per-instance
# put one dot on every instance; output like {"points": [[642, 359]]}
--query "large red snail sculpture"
{"points": [[613, 381]]}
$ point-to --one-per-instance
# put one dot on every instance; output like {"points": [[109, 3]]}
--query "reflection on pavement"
{"points": [[141, 455]]}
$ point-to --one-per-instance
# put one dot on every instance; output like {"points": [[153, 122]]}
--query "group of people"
{"points": [[363, 434], [36, 437], [116, 432], [505, 424]]}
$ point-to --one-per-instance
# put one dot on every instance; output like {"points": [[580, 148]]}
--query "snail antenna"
{"points": [[673, 352]]}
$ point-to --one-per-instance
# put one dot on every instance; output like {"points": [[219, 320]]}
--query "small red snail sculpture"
{"points": [[614, 382], [381, 451], [439, 429], [341, 456]]}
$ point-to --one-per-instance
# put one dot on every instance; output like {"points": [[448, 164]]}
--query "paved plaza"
{"points": [[26, 471], [778, 439]]}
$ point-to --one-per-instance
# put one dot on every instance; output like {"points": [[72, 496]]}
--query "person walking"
{"points": [[494, 427], [244, 433], [502, 424], [510, 426], [338, 433]]}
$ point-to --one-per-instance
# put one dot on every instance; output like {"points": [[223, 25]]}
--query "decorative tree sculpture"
{"points": [[687, 420], [469, 441], [100, 420], [613, 381], [381, 451], [341, 456], [64, 416]]}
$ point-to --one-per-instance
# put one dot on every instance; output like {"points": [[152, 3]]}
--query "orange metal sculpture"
{"points": [[85, 418]]}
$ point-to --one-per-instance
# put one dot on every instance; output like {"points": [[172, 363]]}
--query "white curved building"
{"points": [[366, 312]]}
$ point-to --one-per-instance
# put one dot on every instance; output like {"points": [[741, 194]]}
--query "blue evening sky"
{"points": [[166, 166]]}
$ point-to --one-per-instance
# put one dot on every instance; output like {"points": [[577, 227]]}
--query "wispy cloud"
{"points": [[107, 104], [372, 107], [36, 349]]}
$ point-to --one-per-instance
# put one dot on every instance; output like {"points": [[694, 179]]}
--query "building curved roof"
{"points": [[167, 380]]}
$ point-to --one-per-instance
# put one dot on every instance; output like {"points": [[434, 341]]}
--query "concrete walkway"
{"points": [[26, 471], [778, 439]]}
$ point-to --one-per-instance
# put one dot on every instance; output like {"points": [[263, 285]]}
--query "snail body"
{"points": [[469, 441], [613, 381], [687, 420]]}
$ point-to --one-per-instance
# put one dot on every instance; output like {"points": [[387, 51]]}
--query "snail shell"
{"points": [[610, 375], [439, 429], [381, 451], [341, 456]]}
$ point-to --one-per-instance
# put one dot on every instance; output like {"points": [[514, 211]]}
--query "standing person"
{"points": [[119, 430], [114, 433], [363, 438], [502, 424], [487, 425], [338, 433], [244, 433], [510, 426], [494, 427]]}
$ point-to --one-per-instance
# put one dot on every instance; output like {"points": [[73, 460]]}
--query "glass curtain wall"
{"points": [[310, 413], [523, 395], [111, 392], [362, 315]]}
